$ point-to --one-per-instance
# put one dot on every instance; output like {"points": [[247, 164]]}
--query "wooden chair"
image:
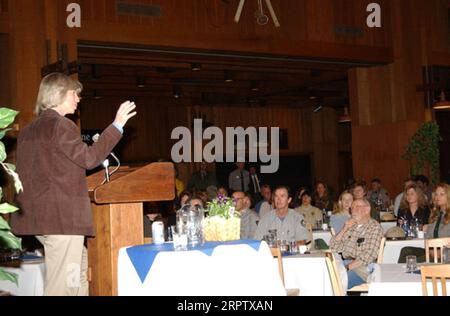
{"points": [[335, 278], [364, 288], [436, 244], [276, 253], [333, 232], [435, 272]]}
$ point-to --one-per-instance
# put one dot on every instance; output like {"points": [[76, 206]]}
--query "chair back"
{"points": [[333, 232], [276, 253], [435, 272], [437, 244], [381, 251], [335, 278]]}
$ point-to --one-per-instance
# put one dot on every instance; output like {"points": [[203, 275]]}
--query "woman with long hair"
{"points": [[342, 211], [413, 207], [440, 215], [321, 198], [439, 222]]}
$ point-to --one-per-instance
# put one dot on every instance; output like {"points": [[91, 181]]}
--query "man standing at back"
{"points": [[239, 179]]}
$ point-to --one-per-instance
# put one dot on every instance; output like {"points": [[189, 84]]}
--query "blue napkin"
{"points": [[142, 257], [30, 257]]}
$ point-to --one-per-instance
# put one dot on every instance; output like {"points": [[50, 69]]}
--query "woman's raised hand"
{"points": [[124, 113]]}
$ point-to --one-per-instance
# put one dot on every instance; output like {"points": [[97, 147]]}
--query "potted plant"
{"points": [[7, 239], [423, 151], [223, 222]]}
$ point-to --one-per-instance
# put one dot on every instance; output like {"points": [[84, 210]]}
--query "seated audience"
{"points": [[423, 183], [249, 219], [286, 221], [266, 193], [358, 242], [399, 197], [359, 192], [321, 198], [439, 223], [378, 196], [341, 212], [311, 214], [413, 207]]}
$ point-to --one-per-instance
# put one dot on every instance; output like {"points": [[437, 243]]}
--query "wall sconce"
{"points": [[442, 104], [346, 117], [176, 92], [227, 76], [318, 108], [254, 86], [140, 82], [196, 67]]}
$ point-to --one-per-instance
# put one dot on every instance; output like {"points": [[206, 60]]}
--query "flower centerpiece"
{"points": [[223, 222]]}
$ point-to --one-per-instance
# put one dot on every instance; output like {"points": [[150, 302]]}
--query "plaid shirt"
{"points": [[360, 242]]}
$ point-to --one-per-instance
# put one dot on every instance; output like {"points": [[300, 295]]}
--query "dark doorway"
{"points": [[442, 118], [294, 171]]}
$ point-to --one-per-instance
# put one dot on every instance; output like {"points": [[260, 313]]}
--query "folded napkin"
{"points": [[142, 257]]}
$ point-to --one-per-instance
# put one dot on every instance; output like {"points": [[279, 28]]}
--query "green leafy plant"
{"points": [[222, 207], [7, 238], [423, 151]]}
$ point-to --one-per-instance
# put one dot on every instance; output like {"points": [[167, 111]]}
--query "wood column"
{"points": [[325, 147], [385, 106]]}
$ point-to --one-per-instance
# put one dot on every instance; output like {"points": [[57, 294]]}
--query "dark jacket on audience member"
{"points": [[422, 215]]}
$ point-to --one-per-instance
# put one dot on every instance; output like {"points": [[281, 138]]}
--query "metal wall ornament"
{"points": [[261, 17]]}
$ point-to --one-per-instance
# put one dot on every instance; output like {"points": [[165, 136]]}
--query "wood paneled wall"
{"points": [[147, 136], [385, 104], [319, 28], [5, 22], [414, 33]]}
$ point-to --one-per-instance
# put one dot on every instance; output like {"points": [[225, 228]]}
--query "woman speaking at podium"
{"points": [[51, 162]]}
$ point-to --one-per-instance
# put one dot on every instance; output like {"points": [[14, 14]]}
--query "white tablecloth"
{"points": [[31, 280], [392, 248], [322, 234], [232, 270], [309, 273], [392, 280], [387, 225]]}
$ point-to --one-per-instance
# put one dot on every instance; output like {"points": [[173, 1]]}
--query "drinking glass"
{"points": [[180, 237], [446, 254], [411, 264]]}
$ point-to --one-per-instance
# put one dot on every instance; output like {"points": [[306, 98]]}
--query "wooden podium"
{"points": [[118, 217]]}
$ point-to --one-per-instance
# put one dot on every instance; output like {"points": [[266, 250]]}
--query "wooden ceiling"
{"points": [[224, 78]]}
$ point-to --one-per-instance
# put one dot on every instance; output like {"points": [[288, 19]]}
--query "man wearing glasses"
{"points": [[358, 242], [249, 218]]}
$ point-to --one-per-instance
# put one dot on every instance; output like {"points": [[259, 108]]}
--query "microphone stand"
{"points": [[106, 165]]}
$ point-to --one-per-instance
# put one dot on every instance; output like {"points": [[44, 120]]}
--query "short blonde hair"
{"points": [[53, 90]]}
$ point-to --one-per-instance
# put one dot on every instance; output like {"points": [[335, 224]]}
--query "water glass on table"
{"points": [[180, 238], [411, 264]]}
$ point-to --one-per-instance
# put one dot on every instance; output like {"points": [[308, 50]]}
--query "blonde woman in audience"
{"points": [[342, 211]]}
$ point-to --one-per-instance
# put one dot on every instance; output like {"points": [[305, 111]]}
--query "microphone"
{"points": [[105, 163]]}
